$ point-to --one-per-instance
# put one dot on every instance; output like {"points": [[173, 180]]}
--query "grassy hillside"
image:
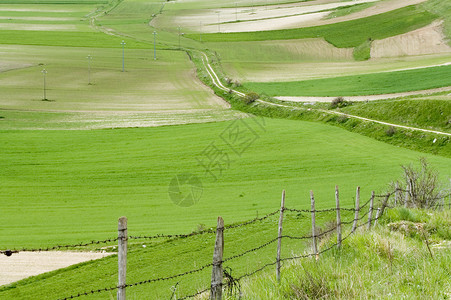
{"points": [[442, 9], [383, 255], [367, 84], [392, 261], [429, 114]]}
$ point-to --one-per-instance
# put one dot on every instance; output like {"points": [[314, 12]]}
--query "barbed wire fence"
{"points": [[222, 278]]}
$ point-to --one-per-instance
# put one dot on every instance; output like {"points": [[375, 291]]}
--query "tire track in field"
{"points": [[214, 77]]}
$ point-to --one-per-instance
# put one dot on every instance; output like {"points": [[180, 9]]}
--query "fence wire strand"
{"points": [[228, 275]]}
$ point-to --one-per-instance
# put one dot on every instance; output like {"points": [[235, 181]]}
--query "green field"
{"points": [[90, 153], [72, 176], [369, 84]]}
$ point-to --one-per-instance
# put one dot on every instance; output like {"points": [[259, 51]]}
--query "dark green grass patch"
{"points": [[345, 34], [367, 84]]}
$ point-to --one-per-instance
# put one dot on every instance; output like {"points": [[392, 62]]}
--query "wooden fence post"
{"points": [[315, 250], [384, 204], [122, 238], [337, 201], [370, 214], [279, 242], [396, 192], [406, 198], [357, 208], [216, 274], [378, 214]]}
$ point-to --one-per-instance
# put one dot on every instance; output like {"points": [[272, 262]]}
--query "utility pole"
{"points": [[219, 23], [154, 46], [89, 57], [44, 71], [179, 37], [123, 55]]}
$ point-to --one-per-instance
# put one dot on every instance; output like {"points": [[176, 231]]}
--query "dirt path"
{"points": [[364, 98], [218, 83], [24, 264]]}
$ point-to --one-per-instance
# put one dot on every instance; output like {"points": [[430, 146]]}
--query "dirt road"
{"points": [[25, 264]]}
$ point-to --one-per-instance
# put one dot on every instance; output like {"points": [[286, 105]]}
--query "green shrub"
{"points": [[251, 97], [390, 131], [339, 102]]}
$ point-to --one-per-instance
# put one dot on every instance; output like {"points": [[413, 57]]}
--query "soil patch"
{"points": [[25, 264]]}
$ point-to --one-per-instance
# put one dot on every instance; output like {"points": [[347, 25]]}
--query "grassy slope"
{"points": [[381, 264], [430, 114], [367, 84], [442, 9], [345, 34], [71, 177]]}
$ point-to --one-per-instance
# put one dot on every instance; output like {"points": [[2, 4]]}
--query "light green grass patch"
{"points": [[304, 50], [369, 84], [66, 178], [269, 71]]}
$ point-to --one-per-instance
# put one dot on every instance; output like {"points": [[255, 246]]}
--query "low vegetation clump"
{"points": [[421, 186], [251, 97], [339, 102]]}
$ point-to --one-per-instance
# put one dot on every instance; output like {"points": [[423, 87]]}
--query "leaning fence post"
{"points": [[449, 200], [384, 204], [315, 251], [216, 274], [337, 200], [378, 214], [357, 208], [279, 242], [122, 257], [370, 214]]}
